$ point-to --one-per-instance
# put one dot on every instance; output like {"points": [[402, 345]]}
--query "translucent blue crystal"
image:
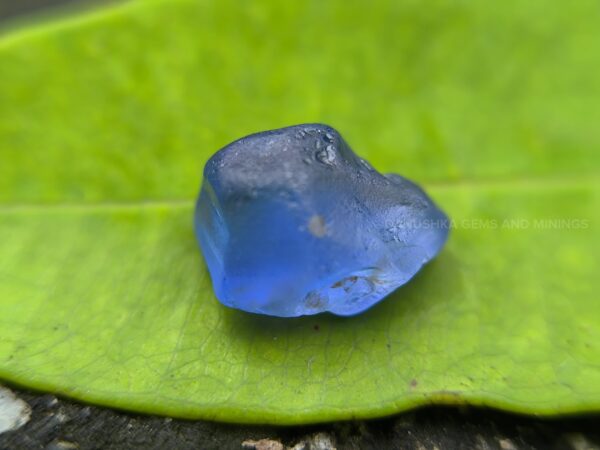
{"points": [[291, 222]]}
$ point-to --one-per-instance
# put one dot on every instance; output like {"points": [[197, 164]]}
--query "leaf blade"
{"points": [[104, 295]]}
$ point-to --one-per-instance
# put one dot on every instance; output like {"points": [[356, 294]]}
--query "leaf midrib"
{"points": [[183, 203]]}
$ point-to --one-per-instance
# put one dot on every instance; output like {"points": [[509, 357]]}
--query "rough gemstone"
{"points": [[291, 222]]}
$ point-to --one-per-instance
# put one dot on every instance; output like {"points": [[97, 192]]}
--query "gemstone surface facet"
{"points": [[292, 222]]}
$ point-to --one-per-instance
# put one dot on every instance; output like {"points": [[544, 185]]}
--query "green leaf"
{"points": [[107, 119]]}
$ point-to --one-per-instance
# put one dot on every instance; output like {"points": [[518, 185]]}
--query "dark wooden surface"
{"points": [[62, 424], [14, 8]]}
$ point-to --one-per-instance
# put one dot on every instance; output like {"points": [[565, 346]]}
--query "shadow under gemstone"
{"points": [[436, 283]]}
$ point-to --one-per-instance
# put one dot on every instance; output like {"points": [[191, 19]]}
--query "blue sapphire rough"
{"points": [[292, 222]]}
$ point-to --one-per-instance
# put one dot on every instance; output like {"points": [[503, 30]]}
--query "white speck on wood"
{"points": [[14, 412], [579, 442], [506, 444], [263, 444], [319, 441]]}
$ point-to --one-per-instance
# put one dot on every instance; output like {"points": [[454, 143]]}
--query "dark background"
{"points": [[62, 424], [13, 8]]}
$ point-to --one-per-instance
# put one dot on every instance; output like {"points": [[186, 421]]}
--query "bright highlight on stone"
{"points": [[291, 222]]}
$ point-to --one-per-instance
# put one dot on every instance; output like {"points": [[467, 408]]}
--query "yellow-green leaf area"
{"points": [[106, 120]]}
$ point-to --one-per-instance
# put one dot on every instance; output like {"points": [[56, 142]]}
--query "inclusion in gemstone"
{"points": [[292, 222]]}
